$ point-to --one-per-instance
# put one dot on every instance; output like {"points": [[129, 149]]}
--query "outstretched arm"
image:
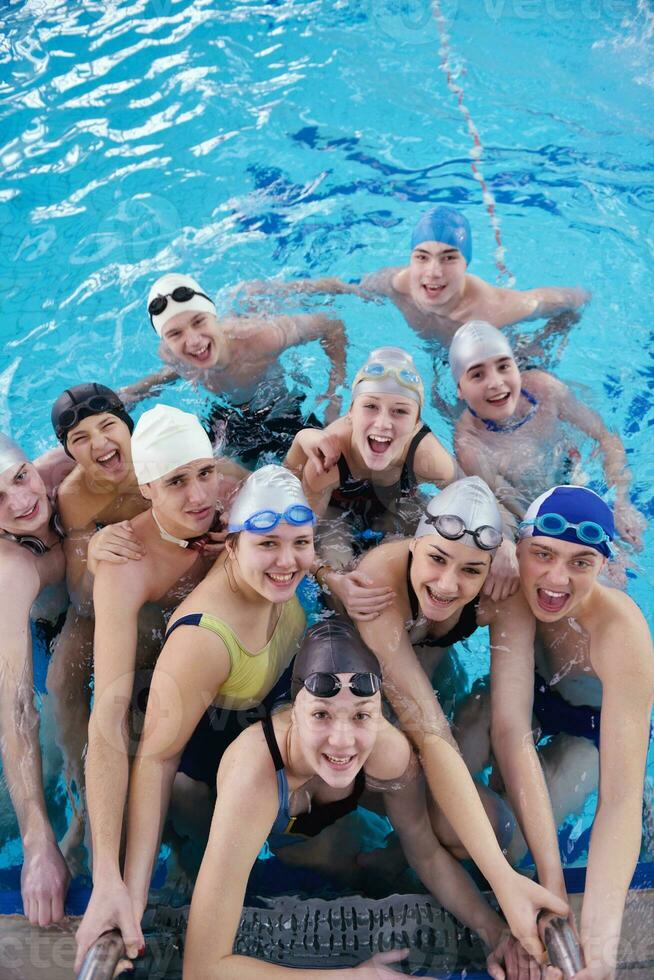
{"points": [[44, 875], [534, 304], [408, 689], [148, 386], [118, 596], [512, 634], [627, 693], [190, 670], [630, 524]]}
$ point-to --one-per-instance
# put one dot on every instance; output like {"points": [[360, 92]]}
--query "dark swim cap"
{"points": [[446, 225], [571, 513], [332, 647], [82, 401]]}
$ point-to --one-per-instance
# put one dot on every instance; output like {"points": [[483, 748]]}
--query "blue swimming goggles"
{"points": [[588, 532], [267, 520]]}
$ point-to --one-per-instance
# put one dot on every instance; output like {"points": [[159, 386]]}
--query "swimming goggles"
{"points": [[97, 404], [452, 527], [589, 532], [323, 685], [182, 294], [375, 371], [267, 520]]}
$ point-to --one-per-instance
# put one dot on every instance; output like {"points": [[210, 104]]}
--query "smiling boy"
{"points": [[238, 358], [435, 292], [579, 655]]}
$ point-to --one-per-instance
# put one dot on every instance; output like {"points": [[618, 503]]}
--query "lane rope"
{"points": [[477, 148]]}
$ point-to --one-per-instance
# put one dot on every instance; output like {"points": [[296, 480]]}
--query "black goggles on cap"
{"points": [[452, 527], [95, 405], [323, 685], [182, 294]]}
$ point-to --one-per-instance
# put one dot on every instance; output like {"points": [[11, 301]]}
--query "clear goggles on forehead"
{"points": [[589, 532], [323, 685], [452, 527], [375, 371], [267, 520]]}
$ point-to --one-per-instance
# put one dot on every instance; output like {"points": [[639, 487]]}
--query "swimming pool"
{"points": [[250, 140]]}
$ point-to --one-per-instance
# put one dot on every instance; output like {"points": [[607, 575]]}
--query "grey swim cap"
{"points": [[272, 488], [332, 647], [472, 502], [474, 342], [10, 453], [389, 371]]}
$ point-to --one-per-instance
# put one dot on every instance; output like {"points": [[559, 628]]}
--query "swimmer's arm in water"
{"points": [[44, 876], [147, 387], [507, 306], [630, 524], [624, 661], [414, 701], [191, 668], [512, 635]]}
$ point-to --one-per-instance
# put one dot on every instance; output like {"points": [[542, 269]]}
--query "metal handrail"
{"points": [[561, 944], [103, 957]]}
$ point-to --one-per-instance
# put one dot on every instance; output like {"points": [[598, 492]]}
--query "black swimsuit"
{"points": [[371, 501], [465, 627]]}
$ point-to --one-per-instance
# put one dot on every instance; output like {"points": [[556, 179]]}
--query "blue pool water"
{"points": [[252, 140]]}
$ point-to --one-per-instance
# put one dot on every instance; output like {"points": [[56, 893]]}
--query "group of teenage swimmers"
{"points": [[216, 712]]}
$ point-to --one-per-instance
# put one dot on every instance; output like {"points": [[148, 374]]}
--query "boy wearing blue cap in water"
{"points": [[578, 656], [435, 292], [517, 431]]}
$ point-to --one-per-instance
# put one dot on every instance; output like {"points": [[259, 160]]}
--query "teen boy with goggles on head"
{"points": [[32, 571], [435, 293], [237, 358], [517, 430], [578, 655], [372, 462]]}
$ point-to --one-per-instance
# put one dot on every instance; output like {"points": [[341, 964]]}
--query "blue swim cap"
{"points": [[444, 224], [589, 519]]}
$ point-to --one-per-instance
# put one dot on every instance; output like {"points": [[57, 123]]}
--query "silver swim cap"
{"points": [[10, 453], [476, 341], [389, 371], [466, 509], [176, 293], [272, 491]]}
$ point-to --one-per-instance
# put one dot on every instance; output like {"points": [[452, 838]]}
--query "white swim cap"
{"points": [[473, 507], [165, 438], [10, 453], [475, 342], [193, 300], [389, 371], [273, 490]]}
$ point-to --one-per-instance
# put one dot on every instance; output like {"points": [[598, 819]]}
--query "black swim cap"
{"points": [[332, 647], [82, 401]]}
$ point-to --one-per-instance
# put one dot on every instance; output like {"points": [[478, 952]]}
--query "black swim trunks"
{"points": [[260, 427]]}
